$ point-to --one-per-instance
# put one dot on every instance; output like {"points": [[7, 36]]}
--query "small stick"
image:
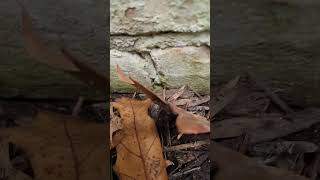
{"points": [[134, 95], [164, 93], [177, 94], [275, 98], [179, 174], [199, 102], [186, 146], [77, 107], [195, 92], [169, 135]]}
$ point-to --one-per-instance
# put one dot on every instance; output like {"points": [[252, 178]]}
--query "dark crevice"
{"points": [[155, 33]]}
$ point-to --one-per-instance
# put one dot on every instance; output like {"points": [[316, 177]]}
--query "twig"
{"points": [[275, 98], [179, 174], [73, 151], [168, 134], [177, 94], [195, 92], [200, 101], [175, 170], [134, 95], [164, 93], [186, 146], [77, 107]]}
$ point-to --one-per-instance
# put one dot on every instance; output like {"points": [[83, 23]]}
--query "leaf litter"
{"points": [[255, 129], [55, 144], [139, 154], [165, 122]]}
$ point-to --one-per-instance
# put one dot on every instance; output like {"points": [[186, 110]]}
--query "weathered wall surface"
{"points": [[82, 25], [161, 43], [277, 39]]}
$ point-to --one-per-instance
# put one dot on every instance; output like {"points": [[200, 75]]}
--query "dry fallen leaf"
{"points": [[37, 47], [62, 146], [116, 133], [139, 154], [186, 122], [233, 165]]}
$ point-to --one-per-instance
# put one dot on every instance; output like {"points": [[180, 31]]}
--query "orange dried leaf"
{"points": [[36, 46], [145, 90], [188, 123], [115, 129], [139, 154], [154, 97]]}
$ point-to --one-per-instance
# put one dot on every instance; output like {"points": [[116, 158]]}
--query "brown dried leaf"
{"points": [[148, 92], [182, 102], [37, 47], [187, 123], [115, 129], [233, 165], [122, 76], [47, 140], [177, 94], [139, 155]]}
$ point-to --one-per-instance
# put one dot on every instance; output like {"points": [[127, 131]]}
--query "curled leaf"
{"points": [[188, 123]]}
